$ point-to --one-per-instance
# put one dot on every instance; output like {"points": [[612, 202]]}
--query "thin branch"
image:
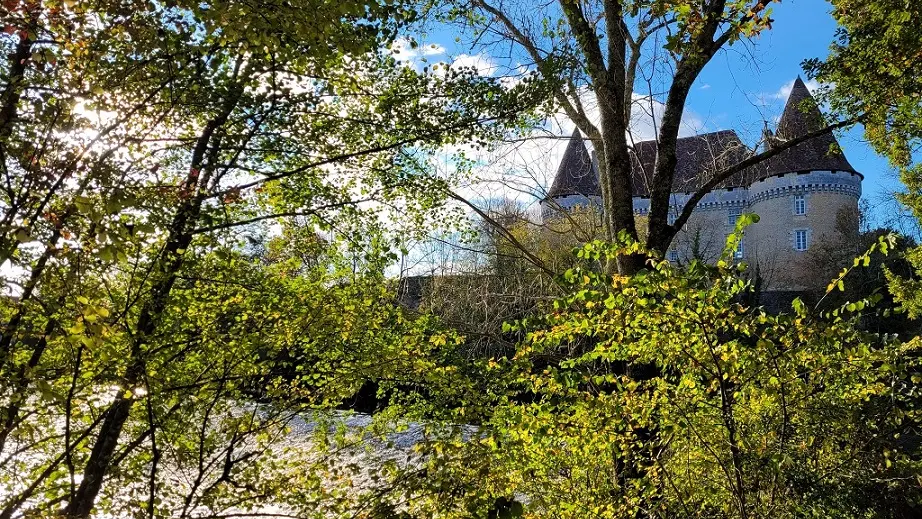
{"points": [[752, 161], [311, 212], [536, 261], [572, 107]]}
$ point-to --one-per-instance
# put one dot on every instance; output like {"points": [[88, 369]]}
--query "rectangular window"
{"points": [[800, 205], [738, 252], [673, 256], [800, 239], [673, 214], [733, 215]]}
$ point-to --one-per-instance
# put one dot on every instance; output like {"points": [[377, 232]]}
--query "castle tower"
{"points": [[799, 194], [576, 183]]}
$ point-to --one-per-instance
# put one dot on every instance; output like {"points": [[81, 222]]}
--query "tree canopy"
{"points": [[201, 206]]}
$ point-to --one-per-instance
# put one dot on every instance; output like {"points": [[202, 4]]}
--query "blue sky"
{"points": [[742, 86], [803, 29]]}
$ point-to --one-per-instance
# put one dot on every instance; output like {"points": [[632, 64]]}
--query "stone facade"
{"points": [[798, 195]]}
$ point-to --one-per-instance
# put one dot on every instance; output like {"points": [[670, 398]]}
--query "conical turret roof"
{"points": [[801, 116], [577, 174]]}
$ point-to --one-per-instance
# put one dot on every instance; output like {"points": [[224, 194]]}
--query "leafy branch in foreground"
{"points": [[144, 148], [746, 414]]}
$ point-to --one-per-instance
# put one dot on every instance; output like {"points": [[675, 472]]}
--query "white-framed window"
{"points": [[800, 239], [672, 255], [733, 214], [800, 205], [738, 252]]}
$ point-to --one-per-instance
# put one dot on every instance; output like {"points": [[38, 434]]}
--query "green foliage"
{"points": [[662, 395], [198, 203], [871, 66], [194, 207]]}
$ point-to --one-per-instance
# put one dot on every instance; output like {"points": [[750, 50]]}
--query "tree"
{"points": [[749, 415], [605, 49], [869, 64], [141, 144]]}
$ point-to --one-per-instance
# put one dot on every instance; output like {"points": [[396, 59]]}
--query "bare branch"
{"points": [[536, 261], [752, 161], [573, 107]]}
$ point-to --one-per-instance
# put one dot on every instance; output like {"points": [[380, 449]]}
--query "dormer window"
{"points": [[800, 205]]}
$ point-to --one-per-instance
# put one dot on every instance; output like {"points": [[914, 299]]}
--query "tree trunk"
{"points": [[166, 269], [118, 412], [617, 199], [100, 457], [660, 233], [9, 99]]}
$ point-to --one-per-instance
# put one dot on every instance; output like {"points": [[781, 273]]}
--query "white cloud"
{"points": [[705, 86], [433, 49], [403, 50], [780, 96], [785, 90], [483, 65], [646, 114]]}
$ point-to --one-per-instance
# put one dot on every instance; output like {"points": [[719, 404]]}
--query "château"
{"points": [[799, 194]]}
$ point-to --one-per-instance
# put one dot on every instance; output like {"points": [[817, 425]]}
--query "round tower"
{"points": [[800, 196], [576, 183]]}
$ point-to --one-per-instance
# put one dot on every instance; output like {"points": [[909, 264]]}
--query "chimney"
{"points": [[768, 138]]}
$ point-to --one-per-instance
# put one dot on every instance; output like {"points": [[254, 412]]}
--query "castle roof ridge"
{"points": [[702, 155], [696, 136]]}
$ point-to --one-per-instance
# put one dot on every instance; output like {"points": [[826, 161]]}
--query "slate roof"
{"points": [[577, 174], [698, 158], [701, 156], [801, 115]]}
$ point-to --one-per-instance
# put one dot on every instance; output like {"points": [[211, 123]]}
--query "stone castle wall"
{"points": [[825, 194], [768, 245]]}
